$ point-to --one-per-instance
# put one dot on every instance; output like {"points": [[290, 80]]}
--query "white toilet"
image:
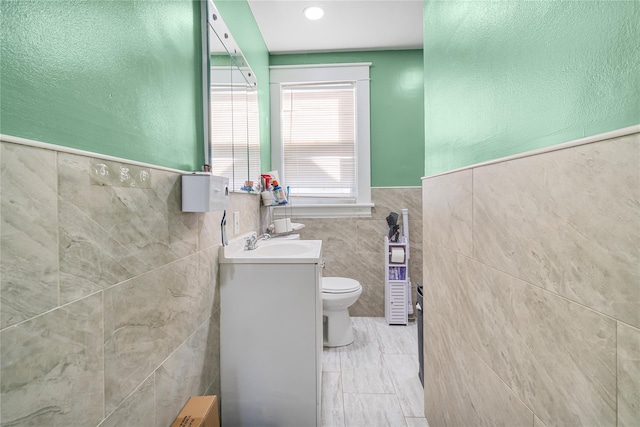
{"points": [[338, 294]]}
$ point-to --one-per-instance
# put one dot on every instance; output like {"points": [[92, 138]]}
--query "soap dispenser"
{"points": [[203, 192]]}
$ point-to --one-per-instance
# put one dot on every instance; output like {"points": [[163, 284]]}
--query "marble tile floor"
{"points": [[373, 382]]}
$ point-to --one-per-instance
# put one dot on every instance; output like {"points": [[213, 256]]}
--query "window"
{"points": [[320, 138], [234, 130], [253, 124], [221, 128]]}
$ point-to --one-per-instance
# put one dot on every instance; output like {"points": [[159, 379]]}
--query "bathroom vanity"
{"points": [[271, 334]]}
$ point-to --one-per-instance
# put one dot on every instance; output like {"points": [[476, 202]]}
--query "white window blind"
{"points": [[254, 135], [235, 135], [319, 140], [221, 128]]}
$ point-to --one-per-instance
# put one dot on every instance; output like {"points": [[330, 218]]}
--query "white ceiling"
{"points": [[346, 25]]}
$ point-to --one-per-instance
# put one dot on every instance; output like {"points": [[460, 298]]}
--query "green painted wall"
{"points": [[397, 110], [504, 77], [121, 78], [239, 18]]}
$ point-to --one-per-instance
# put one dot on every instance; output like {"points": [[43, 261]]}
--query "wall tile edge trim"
{"points": [[631, 130], [63, 149]]}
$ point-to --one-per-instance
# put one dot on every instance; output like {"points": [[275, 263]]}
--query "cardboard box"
{"points": [[200, 411]]}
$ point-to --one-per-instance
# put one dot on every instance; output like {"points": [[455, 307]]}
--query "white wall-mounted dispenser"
{"points": [[203, 192]]}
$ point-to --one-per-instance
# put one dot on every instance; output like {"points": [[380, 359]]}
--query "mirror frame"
{"points": [[212, 21]]}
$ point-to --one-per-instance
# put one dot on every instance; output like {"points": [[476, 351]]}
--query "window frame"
{"points": [[357, 73]]}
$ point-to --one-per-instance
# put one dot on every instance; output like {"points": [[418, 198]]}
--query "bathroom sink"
{"points": [[273, 251], [281, 249]]}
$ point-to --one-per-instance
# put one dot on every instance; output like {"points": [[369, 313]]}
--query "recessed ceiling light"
{"points": [[313, 13]]}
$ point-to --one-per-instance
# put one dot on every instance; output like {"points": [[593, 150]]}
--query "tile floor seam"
{"points": [[341, 386], [391, 406]]}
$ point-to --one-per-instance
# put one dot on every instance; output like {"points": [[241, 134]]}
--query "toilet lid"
{"points": [[339, 285]]}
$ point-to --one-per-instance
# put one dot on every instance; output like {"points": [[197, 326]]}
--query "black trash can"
{"points": [[419, 308]]}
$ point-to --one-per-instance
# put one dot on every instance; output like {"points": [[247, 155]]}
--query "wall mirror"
{"points": [[232, 145]]}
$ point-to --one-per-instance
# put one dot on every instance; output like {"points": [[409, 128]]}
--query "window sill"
{"points": [[362, 210]]}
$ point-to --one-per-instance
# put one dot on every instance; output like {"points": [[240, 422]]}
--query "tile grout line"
{"points": [[393, 383], [104, 362], [57, 172], [344, 412], [540, 287], [371, 325], [616, 375], [492, 372]]}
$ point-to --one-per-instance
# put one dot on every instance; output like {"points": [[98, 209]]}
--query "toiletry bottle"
{"points": [[278, 193]]}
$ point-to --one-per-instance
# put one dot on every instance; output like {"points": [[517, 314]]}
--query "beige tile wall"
{"points": [[109, 307], [532, 273], [354, 247]]}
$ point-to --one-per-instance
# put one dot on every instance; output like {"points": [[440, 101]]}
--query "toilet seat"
{"points": [[339, 285]]}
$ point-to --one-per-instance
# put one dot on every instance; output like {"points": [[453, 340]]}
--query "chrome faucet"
{"points": [[252, 241]]}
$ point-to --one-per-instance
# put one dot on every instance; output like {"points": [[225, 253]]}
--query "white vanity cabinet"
{"points": [[270, 340]]}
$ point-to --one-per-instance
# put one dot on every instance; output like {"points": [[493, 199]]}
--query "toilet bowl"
{"points": [[338, 294]]}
